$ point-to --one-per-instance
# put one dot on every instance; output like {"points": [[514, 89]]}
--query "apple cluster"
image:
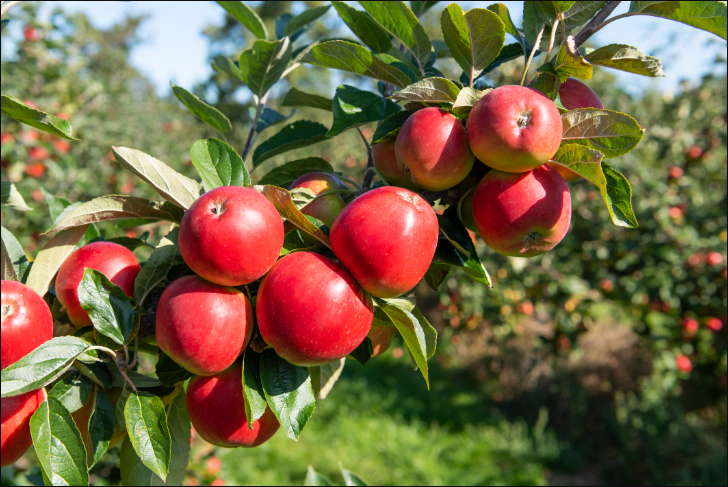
{"points": [[517, 201]]}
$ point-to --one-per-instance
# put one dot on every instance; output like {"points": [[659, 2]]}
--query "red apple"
{"points": [[26, 322], [514, 129], [217, 410], [690, 326], [202, 326], [327, 207], [117, 263], [714, 324], [311, 311], [386, 238], [6, 138], [381, 337], [385, 161], [714, 258], [433, 145], [574, 94], [231, 236], [676, 172], [522, 215], [38, 154], [15, 415], [466, 211], [683, 363]]}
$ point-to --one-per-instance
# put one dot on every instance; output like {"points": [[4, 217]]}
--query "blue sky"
{"points": [[175, 49]]}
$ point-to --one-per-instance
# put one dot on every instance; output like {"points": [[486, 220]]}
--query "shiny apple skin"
{"points": [[311, 310], [386, 238], [217, 410], [231, 236], [522, 215], [15, 415], [514, 129], [117, 263], [381, 337], [202, 326], [327, 207], [433, 145], [26, 322], [385, 161]]}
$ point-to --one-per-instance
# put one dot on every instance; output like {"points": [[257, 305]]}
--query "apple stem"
{"points": [[368, 174], [533, 51], [358, 186], [126, 377]]}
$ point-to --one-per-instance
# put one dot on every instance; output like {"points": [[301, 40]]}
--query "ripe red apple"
{"points": [[117, 263], [15, 413], [231, 236], [683, 363], [676, 172], [386, 238], [217, 411], [466, 211], [311, 310], [385, 161], [202, 326], [575, 94], [327, 207], [381, 337], [26, 322], [714, 258], [522, 215], [690, 326], [6, 138], [514, 129], [714, 324], [433, 145], [466, 205]]}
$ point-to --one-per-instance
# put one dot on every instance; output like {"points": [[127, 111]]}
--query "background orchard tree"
{"points": [[95, 389]]}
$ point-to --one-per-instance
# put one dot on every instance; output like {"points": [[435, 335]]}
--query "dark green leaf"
{"points": [[568, 64], [160, 261], [11, 197], [547, 83], [467, 257], [399, 60], [364, 27], [263, 64], [96, 372], [389, 128], [364, 351], [42, 366], [21, 112], [107, 305], [224, 64], [611, 133], [419, 8], [306, 17], [246, 16], [508, 53], [146, 423], [356, 59], [16, 255], [626, 58], [707, 16], [58, 444], [140, 381], [354, 107], [170, 372], [208, 114], [73, 391], [412, 332], [436, 274], [324, 377], [101, 426], [532, 23], [131, 243], [255, 401], [268, 118], [294, 136], [502, 12], [298, 98], [218, 164], [288, 392], [582, 12], [283, 176]]}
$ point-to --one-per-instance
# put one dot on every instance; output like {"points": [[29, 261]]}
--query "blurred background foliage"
{"points": [[571, 371]]}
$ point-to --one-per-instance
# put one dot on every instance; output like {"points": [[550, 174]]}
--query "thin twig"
{"points": [[136, 353], [335, 191], [598, 22], [358, 186], [376, 172], [533, 51], [368, 175], [553, 37], [126, 377], [364, 139]]}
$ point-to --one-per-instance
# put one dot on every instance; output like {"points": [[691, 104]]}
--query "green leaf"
{"points": [[435, 90], [324, 377], [73, 391], [298, 98], [364, 27], [132, 243], [160, 262], [293, 242], [412, 331], [502, 12], [626, 58], [582, 12], [246, 16], [11, 197], [474, 38], [218, 164], [8, 271], [253, 394], [108, 307], [208, 114], [350, 478], [288, 392], [547, 83], [306, 17], [281, 199], [140, 381], [466, 100], [101, 426], [56, 204], [14, 108], [614, 187], [389, 128], [398, 59], [58, 444], [707, 16], [419, 8], [263, 64], [363, 352], [568, 64], [97, 372], [42, 366], [111, 207], [170, 372], [436, 274], [171, 185], [353, 58], [17, 257], [283, 176], [354, 107], [315, 479], [146, 423], [611, 133], [301, 133], [224, 64], [465, 253], [268, 118], [49, 260], [397, 19]]}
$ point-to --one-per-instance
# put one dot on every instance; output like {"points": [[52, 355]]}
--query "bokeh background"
{"points": [[603, 361]]}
